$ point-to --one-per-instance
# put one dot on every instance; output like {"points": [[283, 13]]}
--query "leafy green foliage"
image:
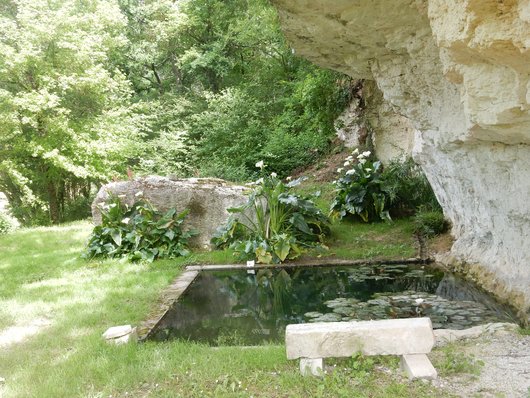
{"points": [[274, 225], [89, 90], [362, 365], [371, 192], [430, 223], [360, 190], [408, 188], [226, 88], [7, 224], [455, 361], [138, 232], [65, 119]]}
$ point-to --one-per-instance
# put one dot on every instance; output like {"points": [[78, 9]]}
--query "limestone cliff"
{"points": [[459, 70], [368, 116]]}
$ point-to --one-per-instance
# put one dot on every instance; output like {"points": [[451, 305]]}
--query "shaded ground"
{"points": [[504, 365]]}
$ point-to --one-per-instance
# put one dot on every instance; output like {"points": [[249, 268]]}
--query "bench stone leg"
{"points": [[311, 366], [418, 366]]}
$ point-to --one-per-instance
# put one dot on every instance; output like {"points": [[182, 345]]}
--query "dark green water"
{"points": [[237, 308]]}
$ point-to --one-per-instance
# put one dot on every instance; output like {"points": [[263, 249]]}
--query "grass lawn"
{"points": [[57, 305]]}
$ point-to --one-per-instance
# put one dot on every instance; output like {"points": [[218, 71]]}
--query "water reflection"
{"points": [[233, 307]]}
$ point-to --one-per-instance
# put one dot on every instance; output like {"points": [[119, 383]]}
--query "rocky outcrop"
{"points": [[206, 198], [369, 117], [459, 71]]}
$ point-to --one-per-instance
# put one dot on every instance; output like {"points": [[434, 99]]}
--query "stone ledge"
{"points": [[343, 339], [444, 336], [320, 263], [170, 295]]}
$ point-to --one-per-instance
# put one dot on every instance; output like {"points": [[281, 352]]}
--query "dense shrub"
{"points": [[371, 192], [287, 152], [430, 223], [7, 223], [138, 232], [360, 189], [408, 188], [77, 209], [274, 225], [288, 129]]}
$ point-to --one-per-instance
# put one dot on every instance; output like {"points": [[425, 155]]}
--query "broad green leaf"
{"points": [[116, 237], [281, 249], [263, 256]]}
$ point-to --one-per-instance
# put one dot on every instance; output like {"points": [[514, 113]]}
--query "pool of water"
{"points": [[238, 308]]}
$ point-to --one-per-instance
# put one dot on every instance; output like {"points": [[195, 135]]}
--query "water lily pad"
{"points": [[313, 314], [331, 317], [343, 310], [382, 302]]}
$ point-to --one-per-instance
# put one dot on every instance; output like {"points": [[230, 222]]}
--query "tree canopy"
{"points": [[91, 88]]}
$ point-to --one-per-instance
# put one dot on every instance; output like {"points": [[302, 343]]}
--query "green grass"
{"points": [[43, 278], [357, 240], [354, 240], [451, 360], [524, 331]]}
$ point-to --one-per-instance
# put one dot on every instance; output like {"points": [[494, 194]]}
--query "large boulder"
{"points": [[206, 198], [459, 70]]}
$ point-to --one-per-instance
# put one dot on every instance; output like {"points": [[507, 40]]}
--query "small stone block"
{"points": [[311, 366], [418, 366], [117, 331], [121, 334]]}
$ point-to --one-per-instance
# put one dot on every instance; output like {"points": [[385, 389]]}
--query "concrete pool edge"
{"points": [[318, 263], [170, 295]]}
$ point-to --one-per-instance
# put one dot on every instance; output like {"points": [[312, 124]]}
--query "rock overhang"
{"points": [[459, 71]]}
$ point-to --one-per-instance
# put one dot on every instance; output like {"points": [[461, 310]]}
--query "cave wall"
{"points": [[459, 70], [372, 118]]}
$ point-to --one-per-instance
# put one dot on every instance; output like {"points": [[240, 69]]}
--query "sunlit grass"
{"points": [[44, 278], [385, 240], [357, 240]]}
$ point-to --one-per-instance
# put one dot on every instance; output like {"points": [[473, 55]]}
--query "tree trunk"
{"points": [[53, 203]]}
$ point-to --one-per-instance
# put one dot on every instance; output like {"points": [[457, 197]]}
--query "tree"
{"points": [[65, 119], [228, 90]]}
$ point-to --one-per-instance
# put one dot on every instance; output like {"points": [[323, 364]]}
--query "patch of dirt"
{"points": [[506, 370], [325, 169], [440, 244], [17, 334]]}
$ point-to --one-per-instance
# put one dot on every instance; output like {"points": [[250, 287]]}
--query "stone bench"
{"points": [[410, 338]]}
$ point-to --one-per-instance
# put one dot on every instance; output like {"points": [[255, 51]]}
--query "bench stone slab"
{"points": [[418, 366], [343, 339]]}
